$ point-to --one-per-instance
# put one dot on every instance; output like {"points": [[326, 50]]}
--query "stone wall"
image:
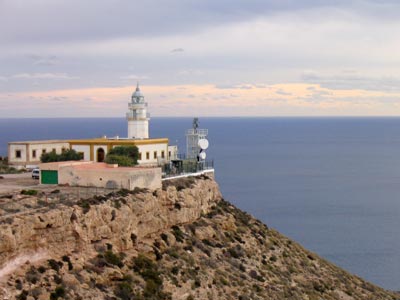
{"points": [[127, 178]]}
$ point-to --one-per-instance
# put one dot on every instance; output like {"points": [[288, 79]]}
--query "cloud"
{"points": [[135, 77], [237, 86], [207, 100], [49, 60], [177, 50], [282, 92], [353, 80], [43, 76], [150, 18]]}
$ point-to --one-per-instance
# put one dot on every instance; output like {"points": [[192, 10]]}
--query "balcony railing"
{"points": [[197, 131], [181, 167], [131, 116]]}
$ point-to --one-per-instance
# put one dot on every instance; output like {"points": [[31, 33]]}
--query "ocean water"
{"points": [[331, 184]]}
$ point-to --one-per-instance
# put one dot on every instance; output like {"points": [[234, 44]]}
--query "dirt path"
{"points": [[16, 182]]}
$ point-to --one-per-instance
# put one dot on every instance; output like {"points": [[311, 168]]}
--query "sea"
{"points": [[331, 184]]}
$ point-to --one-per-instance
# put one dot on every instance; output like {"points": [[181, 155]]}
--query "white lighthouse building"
{"points": [[137, 117]]}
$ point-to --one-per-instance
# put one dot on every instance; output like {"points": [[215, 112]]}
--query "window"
{"points": [[53, 150], [18, 153], [33, 153], [81, 155], [162, 154], [169, 153], [140, 156], [43, 151], [62, 149], [155, 154], [147, 155]]}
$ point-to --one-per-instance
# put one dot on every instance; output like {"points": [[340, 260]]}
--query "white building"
{"points": [[151, 151], [27, 154]]}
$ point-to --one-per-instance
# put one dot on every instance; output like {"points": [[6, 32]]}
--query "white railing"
{"points": [[197, 131]]}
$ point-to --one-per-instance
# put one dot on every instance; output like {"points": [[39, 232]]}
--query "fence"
{"points": [[180, 167]]}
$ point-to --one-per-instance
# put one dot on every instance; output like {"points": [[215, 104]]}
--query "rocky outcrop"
{"points": [[122, 219], [181, 242]]}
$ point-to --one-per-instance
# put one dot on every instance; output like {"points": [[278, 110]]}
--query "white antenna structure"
{"points": [[196, 142]]}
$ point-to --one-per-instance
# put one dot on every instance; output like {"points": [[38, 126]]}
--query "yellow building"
{"points": [[151, 151]]}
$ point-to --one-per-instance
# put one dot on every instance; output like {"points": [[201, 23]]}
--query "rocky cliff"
{"points": [[180, 242]]}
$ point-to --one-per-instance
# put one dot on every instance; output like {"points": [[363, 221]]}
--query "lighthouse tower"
{"points": [[138, 118]]}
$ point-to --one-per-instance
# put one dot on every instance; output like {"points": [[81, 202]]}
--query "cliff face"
{"points": [[179, 242], [118, 219]]}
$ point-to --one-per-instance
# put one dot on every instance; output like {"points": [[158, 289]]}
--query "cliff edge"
{"points": [[179, 242]]}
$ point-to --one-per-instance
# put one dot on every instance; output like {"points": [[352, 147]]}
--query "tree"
{"points": [[121, 160], [52, 156], [123, 155]]}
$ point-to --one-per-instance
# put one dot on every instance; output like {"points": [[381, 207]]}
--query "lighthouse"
{"points": [[137, 116]]}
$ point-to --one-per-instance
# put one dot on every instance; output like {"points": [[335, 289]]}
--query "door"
{"points": [[49, 177], [100, 155]]}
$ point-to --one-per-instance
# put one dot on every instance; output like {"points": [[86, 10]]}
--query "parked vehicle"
{"points": [[35, 173]]}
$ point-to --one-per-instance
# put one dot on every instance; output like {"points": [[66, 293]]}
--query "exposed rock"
{"points": [[179, 242]]}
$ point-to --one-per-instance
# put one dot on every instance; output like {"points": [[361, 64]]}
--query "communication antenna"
{"points": [[196, 141], [202, 155], [203, 144], [195, 123]]}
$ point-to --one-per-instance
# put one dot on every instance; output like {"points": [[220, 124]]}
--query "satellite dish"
{"points": [[203, 144], [203, 155]]}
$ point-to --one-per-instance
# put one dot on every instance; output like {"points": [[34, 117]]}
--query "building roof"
{"points": [[105, 141], [137, 96], [40, 142], [89, 165]]}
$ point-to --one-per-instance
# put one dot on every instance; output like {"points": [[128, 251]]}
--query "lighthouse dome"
{"points": [[137, 95]]}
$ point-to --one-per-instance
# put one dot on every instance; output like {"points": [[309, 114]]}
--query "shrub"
{"points": [[147, 269], [131, 152], [55, 265], [32, 275], [18, 284], [85, 205], [59, 292], [123, 161], [66, 259], [175, 270], [29, 192], [179, 235], [123, 291], [57, 279], [23, 295], [52, 156], [133, 238], [164, 237], [113, 259], [236, 252]]}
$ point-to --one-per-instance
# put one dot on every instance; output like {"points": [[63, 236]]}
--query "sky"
{"points": [[74, 58]]}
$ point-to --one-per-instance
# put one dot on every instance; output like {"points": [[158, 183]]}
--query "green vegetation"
{"points": [[69, 154], [113, 258], [66, 259], [59, 292], [146, 268], [29, 192], [125, 156], [6, 169], [55, 265]]}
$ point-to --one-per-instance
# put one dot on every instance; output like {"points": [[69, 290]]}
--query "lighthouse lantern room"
{"points": [[137, 117]]}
